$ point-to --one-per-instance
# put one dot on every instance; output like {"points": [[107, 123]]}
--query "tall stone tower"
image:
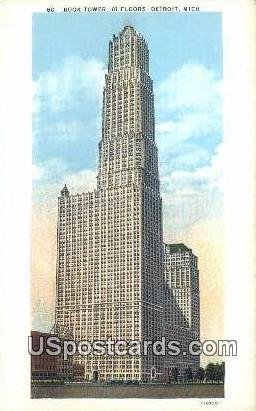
{"points": [[110, 280]]}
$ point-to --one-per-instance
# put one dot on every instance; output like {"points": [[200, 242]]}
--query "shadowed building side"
{"points": [[183, 305]]}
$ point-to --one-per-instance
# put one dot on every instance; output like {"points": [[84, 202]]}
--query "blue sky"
{"points": [[69, 61], [173, 38]]}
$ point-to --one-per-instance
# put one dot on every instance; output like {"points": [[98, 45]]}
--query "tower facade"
{"points": [[110, 279], [183, 303]]}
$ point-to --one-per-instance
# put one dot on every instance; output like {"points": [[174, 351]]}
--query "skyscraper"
{"points": [[183, 322], [110, 278]]}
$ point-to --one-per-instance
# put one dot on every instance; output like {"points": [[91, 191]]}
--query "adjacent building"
{"points": [[183, 303]]}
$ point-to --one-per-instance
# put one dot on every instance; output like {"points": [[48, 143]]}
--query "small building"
{"points": [[45, 366]]}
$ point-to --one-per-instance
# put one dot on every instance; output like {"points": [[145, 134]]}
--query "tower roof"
{"points": [[64, 192], [128, 27], [177, 248]]}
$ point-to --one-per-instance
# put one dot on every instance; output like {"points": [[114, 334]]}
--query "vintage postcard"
{"points": [[137, 255]]}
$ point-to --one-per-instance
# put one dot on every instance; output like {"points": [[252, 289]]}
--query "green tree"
{"points": [[210, 372], [220, 371], [188, 375], [217, 372], [200, 375]]}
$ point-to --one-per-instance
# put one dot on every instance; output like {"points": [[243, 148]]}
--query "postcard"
{"points": [[128, 208]]}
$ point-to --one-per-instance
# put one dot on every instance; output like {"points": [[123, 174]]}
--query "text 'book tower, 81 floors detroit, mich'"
{"points": [[110, 251]]}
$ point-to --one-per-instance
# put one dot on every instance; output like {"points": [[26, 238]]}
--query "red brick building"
{"points": [[46, 366]]}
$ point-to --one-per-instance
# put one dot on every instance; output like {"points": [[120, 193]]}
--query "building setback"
{"points": [[110, 274]]}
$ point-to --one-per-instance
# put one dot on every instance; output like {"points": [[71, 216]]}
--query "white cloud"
{"points": [[49, 171], [189, 104], [188, 127], [37, 172], [189, 159], [50, 177], [64, 130], [193, 86], [209, 176], [84, 180], [192, 196], [60, 86], [61, 129]]}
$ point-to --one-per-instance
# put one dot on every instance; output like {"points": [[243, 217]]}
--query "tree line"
{"points": [[213, 373]]}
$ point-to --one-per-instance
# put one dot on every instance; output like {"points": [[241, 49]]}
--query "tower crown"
{"points": [[128, 49], [129, 28]]}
